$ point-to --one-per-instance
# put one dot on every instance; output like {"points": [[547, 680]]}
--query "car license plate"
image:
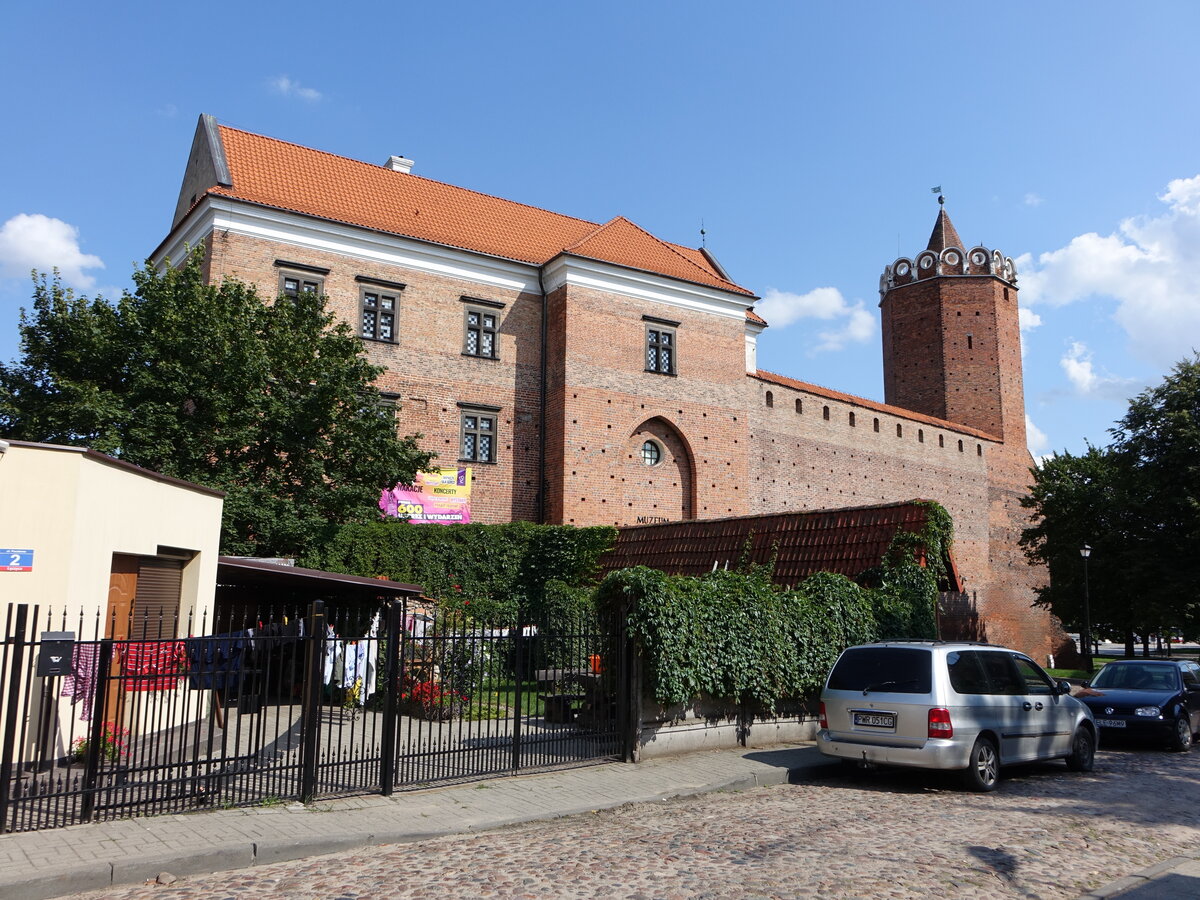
{"points": [[875, 720], [1111, 723]]}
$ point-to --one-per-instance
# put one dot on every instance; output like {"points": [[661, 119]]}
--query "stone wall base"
{"points": [[687, 735]]}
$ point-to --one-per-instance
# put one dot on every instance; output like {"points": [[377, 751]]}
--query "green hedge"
{"points": [[737, 637], [487, 570]]}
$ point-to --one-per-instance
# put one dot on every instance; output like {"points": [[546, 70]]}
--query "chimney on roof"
{"points": [[399, 164]]}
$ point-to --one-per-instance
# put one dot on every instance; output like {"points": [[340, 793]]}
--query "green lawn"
{"points": [[497, 699]]}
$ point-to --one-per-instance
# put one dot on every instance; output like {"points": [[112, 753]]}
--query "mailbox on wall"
{"points": [[55, 656]]}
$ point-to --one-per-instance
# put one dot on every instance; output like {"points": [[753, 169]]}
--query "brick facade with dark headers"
{"points": [[624, 366]]}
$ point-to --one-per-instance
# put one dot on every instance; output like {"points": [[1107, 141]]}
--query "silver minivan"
{"points": [[964, 706]]}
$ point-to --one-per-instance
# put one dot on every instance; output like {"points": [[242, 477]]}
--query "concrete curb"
{"points": [[257, 846], [1177, 878]]}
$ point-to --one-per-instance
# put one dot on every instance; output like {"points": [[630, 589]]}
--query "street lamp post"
{"points": [[1085, 637]]}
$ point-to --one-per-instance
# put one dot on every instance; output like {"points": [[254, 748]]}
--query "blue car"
{"points": [[1146, 699]]}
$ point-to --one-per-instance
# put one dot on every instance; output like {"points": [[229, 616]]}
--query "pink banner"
{"points": [[442, 497]]}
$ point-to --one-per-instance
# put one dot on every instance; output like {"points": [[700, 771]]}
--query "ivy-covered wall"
{"points": [[736, 637]]}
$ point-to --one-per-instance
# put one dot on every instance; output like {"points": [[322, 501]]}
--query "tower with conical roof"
{"points": [[951, 339]]}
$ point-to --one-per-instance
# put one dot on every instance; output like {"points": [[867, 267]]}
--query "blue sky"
{"points": [[806, 138]]}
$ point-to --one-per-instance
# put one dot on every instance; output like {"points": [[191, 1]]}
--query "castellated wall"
{"points": [[426, 367], [815, 450], [812, 451], [603, 406]]}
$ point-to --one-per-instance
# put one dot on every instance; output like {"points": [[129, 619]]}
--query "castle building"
{"points": [[592, 373]]}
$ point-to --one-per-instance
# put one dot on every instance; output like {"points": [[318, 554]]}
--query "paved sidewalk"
{"points": [[44, 864], [35, 866]]}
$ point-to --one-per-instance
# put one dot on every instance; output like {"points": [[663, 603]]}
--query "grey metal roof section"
{"points": [[240, 570], [206, 166]]}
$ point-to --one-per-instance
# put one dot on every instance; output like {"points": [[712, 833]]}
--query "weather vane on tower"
{"points": [[938, 190]]}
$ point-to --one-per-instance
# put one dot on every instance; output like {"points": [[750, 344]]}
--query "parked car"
{"points": [[958, 706], [1146, 699]]}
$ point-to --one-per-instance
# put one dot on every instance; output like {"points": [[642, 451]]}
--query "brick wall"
{"points": [[608, 406], [426, 366]]}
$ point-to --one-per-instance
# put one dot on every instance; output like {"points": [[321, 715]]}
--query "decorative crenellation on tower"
{"points": [[951, 336]]}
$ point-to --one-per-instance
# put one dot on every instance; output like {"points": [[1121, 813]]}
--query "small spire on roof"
{"points": [[944, 234]]}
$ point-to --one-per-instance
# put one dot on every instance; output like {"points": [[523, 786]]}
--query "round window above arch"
{"points": [[651, 453]]}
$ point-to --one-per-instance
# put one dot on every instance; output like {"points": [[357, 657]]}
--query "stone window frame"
{"points": [[472, 417], [482, 310], [656, 330], [374, 294], [297, 278]]}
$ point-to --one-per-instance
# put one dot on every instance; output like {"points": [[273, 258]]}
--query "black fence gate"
{"points": [[101, 719]]}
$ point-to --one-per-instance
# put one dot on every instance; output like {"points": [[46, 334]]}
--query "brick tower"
{"points": [[952, 350], [951, 341]]}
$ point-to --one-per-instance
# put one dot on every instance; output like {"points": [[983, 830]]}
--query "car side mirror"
{"points": [[1064, 687]]}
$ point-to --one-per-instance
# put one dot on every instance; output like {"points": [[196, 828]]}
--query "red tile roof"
{"points": [[288, 176], [752, 316], [844, 541], [944, 234], [784, 381]]}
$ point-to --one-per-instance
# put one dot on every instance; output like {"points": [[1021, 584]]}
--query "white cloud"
{"points": [[40, 242], [826, 304], [281, 84], [1032, 199], [1077, 364], [1027, 319], [1035, 439], [1150, 266], [1080, 369]]}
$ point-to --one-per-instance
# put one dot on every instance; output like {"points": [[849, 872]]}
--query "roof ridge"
{"points": [[374, 167], [667, 244]]}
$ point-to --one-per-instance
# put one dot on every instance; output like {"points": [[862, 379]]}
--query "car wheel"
{"points": [[1182, 740], [983, 769], [1083, 751]]}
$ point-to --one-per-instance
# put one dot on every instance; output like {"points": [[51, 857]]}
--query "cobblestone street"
{"points": [[1046, 833]]}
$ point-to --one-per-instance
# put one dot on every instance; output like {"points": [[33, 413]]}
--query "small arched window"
{"points": [[825, 413], [877, 425], [979, 449], [920, 435], [770, 399], [799, 406], [899, 430], [851, 420], [960, 447]]}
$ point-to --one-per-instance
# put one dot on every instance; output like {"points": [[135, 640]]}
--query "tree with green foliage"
{"points": [[273, 403], [1136, 503], [1158, 440], [1078, 501]]}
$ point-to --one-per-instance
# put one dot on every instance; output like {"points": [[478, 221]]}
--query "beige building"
{"points": [[92, 525], [102, 548]]}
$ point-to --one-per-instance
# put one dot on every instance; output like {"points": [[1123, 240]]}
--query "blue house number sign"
{"points": [[16, 560]]}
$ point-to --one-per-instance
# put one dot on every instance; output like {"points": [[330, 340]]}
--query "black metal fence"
{"points": [[101, 719]]}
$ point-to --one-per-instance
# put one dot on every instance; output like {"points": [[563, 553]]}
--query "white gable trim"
{"points": [[589, 273], [225, 214], [215, 213]]}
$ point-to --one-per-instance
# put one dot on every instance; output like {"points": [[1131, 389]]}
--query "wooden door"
{"points": [[122, 590]]}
